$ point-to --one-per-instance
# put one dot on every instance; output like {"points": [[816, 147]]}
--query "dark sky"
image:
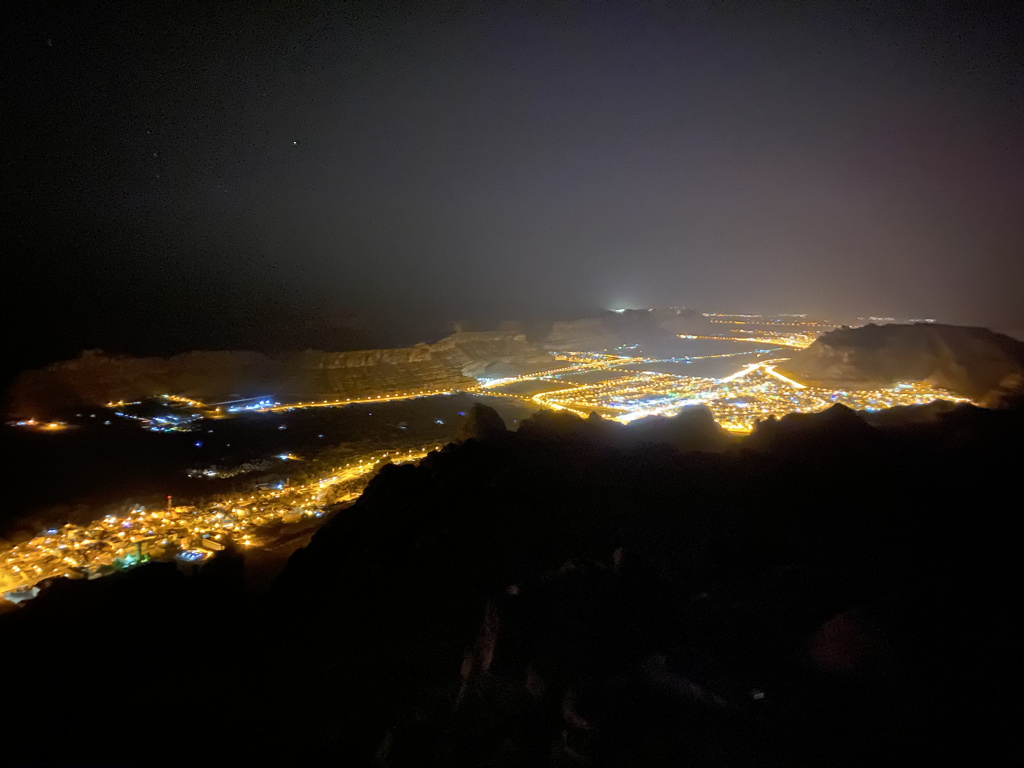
{"points": [[180, 175]]}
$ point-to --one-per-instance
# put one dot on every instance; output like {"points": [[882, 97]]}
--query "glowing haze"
{"points": [[202, 175]]}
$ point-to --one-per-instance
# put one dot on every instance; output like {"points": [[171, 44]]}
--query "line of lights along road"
{"points": [[192, 534]]}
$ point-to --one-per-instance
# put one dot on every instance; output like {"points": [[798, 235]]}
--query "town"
{"points": [[622, 384]]}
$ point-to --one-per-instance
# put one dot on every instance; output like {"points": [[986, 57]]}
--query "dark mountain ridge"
{"points": [[825, 592]]}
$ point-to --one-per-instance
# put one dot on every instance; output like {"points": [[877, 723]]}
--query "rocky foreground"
{"points": [[577, 593]]}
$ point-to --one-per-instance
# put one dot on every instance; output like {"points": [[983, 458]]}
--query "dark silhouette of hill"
{"points": [[482, 423], [971, 362], [825, 592]]}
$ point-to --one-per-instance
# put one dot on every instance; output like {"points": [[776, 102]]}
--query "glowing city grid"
{"points": [[192, 534]]}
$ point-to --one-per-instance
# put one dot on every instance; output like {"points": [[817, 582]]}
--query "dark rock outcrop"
{"points": [[568, 595], [482, 423], [491, 577], [809, 432], [692, 429]]}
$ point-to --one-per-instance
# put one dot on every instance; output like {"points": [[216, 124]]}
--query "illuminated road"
{"points": [[356, 401], [738, 401], [797, 340]]}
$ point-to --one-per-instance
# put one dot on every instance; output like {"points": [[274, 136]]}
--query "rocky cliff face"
{"points": [[366, 372], [967, 361], [95, 378], [496, 353]]}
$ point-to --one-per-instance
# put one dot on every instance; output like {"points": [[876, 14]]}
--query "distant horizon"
{"points": [[715, 540], [208, 175], [359, 332]]}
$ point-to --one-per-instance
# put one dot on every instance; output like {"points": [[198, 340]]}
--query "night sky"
{"points": [[180, 175]]}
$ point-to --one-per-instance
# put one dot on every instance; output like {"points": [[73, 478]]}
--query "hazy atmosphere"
{"points": [[201, 175], [580, 385]]}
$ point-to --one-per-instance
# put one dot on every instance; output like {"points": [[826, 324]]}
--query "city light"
{"points": [[738, 401], [186, 533], [191, 534]]}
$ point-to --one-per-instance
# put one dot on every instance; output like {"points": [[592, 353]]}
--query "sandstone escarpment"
{"points": [[605, 332], [491, 353], [967, 361], [364, 373], [95, 378]]}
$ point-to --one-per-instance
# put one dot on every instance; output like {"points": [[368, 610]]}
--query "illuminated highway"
{"points": [[798, 339], [192, 534], [410, 395]]}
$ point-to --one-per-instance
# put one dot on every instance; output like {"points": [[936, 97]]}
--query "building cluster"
{"points": [[773, 322], [580, 361], [164, 413], [189, 534], [641, 390], [758, 391], [40, 426], [192, 534]]}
